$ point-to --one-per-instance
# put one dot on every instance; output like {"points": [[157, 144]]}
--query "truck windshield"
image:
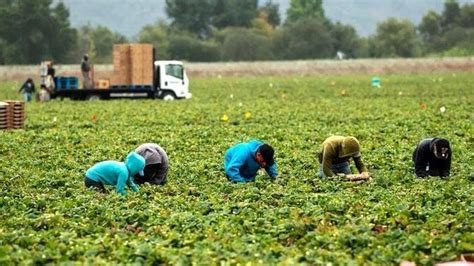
{"points": [[175, 71]]}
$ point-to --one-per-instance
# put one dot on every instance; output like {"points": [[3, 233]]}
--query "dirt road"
{"points": [[275, 68]]}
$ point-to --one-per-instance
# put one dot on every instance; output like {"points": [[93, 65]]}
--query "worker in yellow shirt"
{"points": [[336, 151]]}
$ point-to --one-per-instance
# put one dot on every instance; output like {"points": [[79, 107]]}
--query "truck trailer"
{"points": [[135, 76]]}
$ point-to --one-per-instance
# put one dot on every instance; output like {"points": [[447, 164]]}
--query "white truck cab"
{"points": [[171, 80]]}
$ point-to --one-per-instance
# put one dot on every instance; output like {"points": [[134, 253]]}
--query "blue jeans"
{"points": [[339, 168], [27, 96]]}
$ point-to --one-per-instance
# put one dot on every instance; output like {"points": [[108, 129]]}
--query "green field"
{"points": [[198, 217]]}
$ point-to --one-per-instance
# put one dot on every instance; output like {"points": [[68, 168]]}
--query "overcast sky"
{"points": [[129, 16]]}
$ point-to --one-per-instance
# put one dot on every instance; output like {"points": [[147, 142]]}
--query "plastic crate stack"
{"points": [[5, 121], [12, 115], [66, 83]]}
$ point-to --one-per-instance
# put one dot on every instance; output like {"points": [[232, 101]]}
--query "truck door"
{"points": [[158, 84], [175, 79]]}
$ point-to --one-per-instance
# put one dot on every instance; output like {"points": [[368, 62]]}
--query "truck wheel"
{"points": [[93, 97], [168, 96]]}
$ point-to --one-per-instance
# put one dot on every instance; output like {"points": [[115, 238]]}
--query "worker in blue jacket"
{"points": [[243, 160], [118, 174]]}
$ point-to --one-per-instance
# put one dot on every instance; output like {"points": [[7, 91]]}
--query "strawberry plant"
{"points": [[198, 217]]}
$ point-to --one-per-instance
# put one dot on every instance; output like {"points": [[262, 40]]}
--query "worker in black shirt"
{"points": [[432, 157], [86, 69], [28, 88]]}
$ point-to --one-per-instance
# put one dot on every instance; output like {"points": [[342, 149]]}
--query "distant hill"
{"points": [[129, 16]]}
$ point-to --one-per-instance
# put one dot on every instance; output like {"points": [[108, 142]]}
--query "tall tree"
{"points": [[451, 13], [32, 30], [201, 16], [467, 16], [305, 39], [157, 35], [241, 44], [270, 11], [430, 30], [98, 43], [453, 30], [345, 39], [234, 13], [430, 25], [261, 23], [187, 47], [395, 38], [302, 9], [191, 15]]}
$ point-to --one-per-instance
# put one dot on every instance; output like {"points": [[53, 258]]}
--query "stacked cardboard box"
{"points": [[142, 64], [122, 64], [133, 64], [12, 115], [101, 84]]}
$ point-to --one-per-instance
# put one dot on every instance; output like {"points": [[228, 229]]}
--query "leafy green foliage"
{"points": [[191, 15], [200, 17], [33, 30], [185, 46], [241, 44], [98, 43], [157, 35], [271, 11], [304, 9], [449, 33], [395, 38], [234, 13], [47, 216], [346, 39], [451, 13], [467, 16], [306, 38]]}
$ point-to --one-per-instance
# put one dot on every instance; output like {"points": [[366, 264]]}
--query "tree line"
{"points": [[231, 30]]}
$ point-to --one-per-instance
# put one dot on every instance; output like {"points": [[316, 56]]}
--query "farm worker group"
{"points": [[47, 86], [149, 163], [432, 157]]}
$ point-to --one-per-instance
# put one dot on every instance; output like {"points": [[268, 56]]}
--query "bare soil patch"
{"points": [[276, 68]]}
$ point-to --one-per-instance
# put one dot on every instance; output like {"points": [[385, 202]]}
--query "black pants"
{"points": [[95, 185], [155, 174]]}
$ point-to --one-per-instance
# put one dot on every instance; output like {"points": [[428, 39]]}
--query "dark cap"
{"points": [[441, 145], [267, 154]]}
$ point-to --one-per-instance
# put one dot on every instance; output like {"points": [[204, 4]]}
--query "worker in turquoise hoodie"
{"points": [[243, 160], [118, 174]]}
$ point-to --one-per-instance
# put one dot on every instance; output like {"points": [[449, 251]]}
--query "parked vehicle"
{"points": [[136, 75]]}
